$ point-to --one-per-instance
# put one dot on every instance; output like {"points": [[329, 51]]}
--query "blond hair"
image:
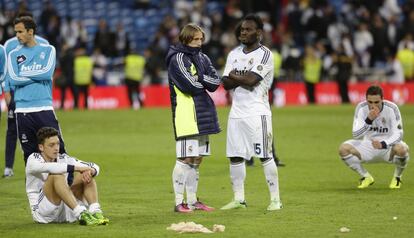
{"points": [[188, 32]]}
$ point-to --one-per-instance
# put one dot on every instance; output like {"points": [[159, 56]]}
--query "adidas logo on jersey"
{"points": [[34, 66], [21, 59]]}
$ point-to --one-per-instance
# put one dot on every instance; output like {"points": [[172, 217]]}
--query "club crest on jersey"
{"points": [[42, 55], [24, 138], [21, 59], [383, 121], [260, 67], [251, 61]]}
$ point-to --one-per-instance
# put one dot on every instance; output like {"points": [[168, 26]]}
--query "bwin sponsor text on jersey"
{"points": [[379, 129], [32, 67]]}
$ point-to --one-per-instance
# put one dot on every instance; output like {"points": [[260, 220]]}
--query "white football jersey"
{"points": [[251, 101], [37, 171], [386, 127]]}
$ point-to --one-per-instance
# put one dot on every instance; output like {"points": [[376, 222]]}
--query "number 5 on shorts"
{"points": [[257, 148]]}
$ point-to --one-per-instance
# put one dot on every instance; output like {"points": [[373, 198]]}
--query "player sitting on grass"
{"points": [[378, 133], [56, 184]]}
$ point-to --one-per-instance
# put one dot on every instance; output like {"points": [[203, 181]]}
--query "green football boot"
{"points": [[274, 205], [100, 217], [365, 182], [395, 183], [234, 205], [87, 219]]}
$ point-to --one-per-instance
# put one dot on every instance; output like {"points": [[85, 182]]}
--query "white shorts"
{"points": [[47, 212], [249, 137], [193, 147], [371, 155]]}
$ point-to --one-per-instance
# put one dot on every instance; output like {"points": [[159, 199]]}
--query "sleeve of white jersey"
{"points": [[265, 66], [229, 66], [396, 134], [80, 163], [35, 164], [359, 127]]}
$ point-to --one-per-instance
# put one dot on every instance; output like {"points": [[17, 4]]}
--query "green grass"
{"points": [[136, 152]]}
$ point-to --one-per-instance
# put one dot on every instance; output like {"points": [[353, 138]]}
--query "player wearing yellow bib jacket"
{"points": [[191, 76]]}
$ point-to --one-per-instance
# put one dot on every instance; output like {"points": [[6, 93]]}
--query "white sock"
{"points": [[191, 184], [179, 177], [354, 163], [238, 175], [78, 210], [94, 208], [400, 165], [270, 171]]}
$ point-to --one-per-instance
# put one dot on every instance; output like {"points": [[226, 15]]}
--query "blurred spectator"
{"points": [[294, 10], [363, 41], [380, 45], [65, 79], [48, 12], [105, 39], [291, 55], [6, 25], [83, 66], [394, 32], [406, 42], [312, 67], [122, 40], [152, 65], [52, 31], [69, 31], [277, 63], [406, 56], [343, 71], [394, 70], [134, 73], [100, 65], [408, 24]]}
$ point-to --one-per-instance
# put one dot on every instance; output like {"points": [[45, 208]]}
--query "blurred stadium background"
{"points": [[135, 149], [374, 37]]}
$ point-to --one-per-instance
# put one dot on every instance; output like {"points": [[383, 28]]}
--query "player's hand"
{"points": [[376, 144], [373, 113], [87, 176], [87, 173]]}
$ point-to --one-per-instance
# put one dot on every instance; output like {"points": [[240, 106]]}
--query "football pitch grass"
{"points": [[136, 153]]}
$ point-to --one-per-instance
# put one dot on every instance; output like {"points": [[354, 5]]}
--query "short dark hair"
{"points": [[27, 21], [44, 133], [374, 90], [188, 32], [256, 19]]}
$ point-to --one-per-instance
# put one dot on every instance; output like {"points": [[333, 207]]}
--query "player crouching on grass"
{"points": [[378, 134], [56, 184]]}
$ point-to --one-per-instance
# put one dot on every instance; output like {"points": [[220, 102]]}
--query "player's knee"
{"points": [[344, 150], [264, 160], [400, 150], [56, 177], [184, 160], [236, 160], [198, 160]]}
